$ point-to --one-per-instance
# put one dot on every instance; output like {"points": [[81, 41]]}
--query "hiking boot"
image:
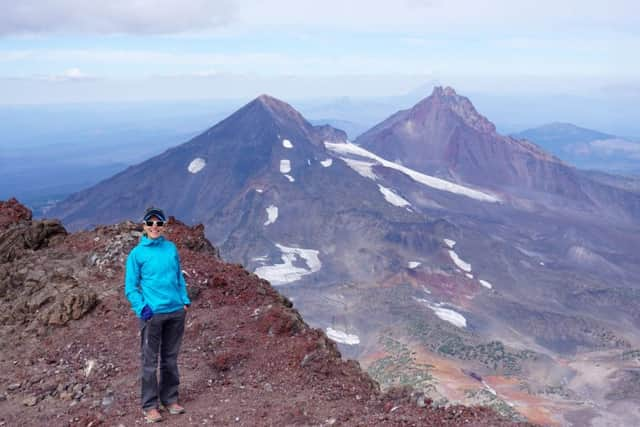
{"points": [[175, 409], [152, 416]]}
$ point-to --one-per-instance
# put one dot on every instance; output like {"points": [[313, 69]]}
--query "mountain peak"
{"points": [[447, 91], [269, 100], [447, 98], [279, 108], [262, 114]]}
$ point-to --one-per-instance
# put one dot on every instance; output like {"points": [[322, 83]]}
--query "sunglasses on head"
{"points": [[157, 223]]}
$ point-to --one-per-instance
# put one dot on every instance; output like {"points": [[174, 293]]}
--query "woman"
{"points": [[155, 287]]}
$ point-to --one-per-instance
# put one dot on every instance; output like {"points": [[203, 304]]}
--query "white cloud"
{"points": [[113, 16], [413, 16], [139, 56], [241, 48], [205, 74], [74, 74], [249, 65], [68, 75], [15, 55], [29, 89], [238, 16]]}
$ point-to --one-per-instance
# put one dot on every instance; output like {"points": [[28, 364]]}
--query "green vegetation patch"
{"points": [[400, 368], [493, 354], [484, 397]]}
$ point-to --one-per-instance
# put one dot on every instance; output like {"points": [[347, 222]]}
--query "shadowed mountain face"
{"points": [[198, 178], [434, 248]]}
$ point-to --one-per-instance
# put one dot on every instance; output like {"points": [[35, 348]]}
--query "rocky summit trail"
{"points": [[69, 342]]}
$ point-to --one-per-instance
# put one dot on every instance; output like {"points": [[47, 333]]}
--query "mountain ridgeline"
{"points": [[431, 242]]}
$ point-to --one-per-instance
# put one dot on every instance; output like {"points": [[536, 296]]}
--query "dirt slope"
{"points": [[69, 342]]}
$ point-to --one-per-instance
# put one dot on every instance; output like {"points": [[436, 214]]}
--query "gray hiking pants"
{"points": [[161, 336]]}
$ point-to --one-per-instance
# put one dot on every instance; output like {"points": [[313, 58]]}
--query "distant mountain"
{"points": [[444, 135], [432, 248], [586, 148], [352, 129], [551, 135]]}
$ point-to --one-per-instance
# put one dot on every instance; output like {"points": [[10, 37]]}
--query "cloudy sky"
{"points": [[90, 50]]}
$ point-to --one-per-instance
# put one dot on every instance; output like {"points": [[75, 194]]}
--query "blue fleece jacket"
{"points": [[153, 277]]}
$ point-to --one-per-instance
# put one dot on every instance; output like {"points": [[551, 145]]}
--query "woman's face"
{"points": [[156, 228]]}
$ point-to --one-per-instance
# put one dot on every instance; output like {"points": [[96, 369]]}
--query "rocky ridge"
{"points": [[70, 353]]}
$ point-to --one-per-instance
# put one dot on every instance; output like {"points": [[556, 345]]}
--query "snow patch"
{"points": [[285, 166], [363, 168], [450, 316], [286, 143], [259, 190], [281, 274], [446, 314], [88, 367], [348, 148], [342, 337], [486, 284], [464, 266], [413, 264], [327, 162], [450, 243], [469, 276], [272, 215], [196, 165], [290, 178], [392, 197], [489, 388]]}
